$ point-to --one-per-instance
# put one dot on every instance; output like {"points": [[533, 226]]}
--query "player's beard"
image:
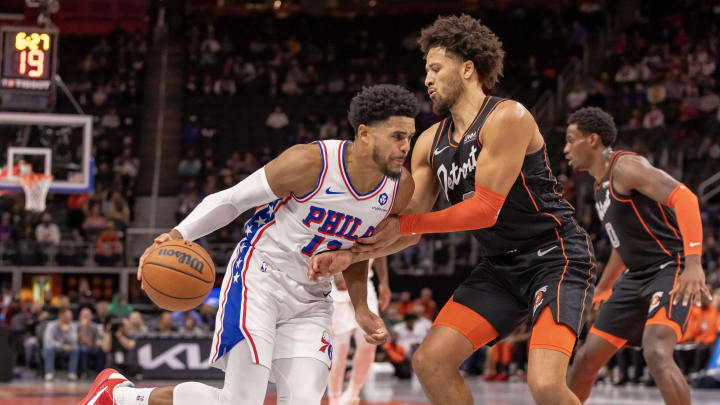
{"points": [[441, 104], [384, 164]]}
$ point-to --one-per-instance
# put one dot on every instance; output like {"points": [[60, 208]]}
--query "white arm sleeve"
{"points": [[219, 209]]}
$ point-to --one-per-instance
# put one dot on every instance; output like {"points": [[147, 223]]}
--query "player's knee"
{"points": [[545, 388], [656, 355], [424, 362]]}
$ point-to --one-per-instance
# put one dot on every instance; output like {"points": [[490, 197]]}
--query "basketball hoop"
{"points": [[35, 186]]}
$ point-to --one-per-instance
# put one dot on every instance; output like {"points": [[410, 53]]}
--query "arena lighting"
{"points": [[277, 4]]}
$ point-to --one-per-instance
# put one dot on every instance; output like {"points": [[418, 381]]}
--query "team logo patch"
{"points": [[383, 199], [140, 398], [655, 300], [326, 345], [539, 298]]}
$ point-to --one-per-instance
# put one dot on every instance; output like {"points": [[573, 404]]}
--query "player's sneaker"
{"points": [[101, 392]]}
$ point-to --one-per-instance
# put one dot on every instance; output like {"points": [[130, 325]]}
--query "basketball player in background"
{"points": [[345, 326], [273, 322], [489, 159], [653, 223]]}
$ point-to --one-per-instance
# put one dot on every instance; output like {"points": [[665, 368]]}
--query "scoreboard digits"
{"points": [[29, 56]]}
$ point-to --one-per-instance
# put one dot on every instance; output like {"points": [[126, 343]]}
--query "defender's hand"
{"points": [[600, 297], [325, 264], [372, 325], [691, 283], [386, 233]]}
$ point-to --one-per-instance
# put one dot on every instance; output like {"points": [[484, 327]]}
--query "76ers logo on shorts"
{"points": [[326, 345], [538, 298], [655, 300]]}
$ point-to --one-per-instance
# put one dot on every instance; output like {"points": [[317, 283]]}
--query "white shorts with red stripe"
{"points": [[279, 317]]}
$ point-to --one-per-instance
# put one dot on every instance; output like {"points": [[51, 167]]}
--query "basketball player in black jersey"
{"points": [[653, 223], [489, 160]]}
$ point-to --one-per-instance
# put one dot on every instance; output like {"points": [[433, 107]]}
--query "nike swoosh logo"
{"points": [[546, 251], [662, 266], [327, 293], [328, 191], [95, 398], [439, 151], [693, 244]]}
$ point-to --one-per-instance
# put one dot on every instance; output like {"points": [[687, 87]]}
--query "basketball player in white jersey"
{"points": [[274, 324], [345, 326]]}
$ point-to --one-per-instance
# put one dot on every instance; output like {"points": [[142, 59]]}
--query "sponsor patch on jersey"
{"points": [[383, 199], [471, 137]]}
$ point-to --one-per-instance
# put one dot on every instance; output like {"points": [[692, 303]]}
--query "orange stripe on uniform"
{"points": [[662, 211], [677, 272], [533, 200], [555, 182], [567, 263], [661, 318], [632, 203], [618, 342], [587, 282], [550, 335], [437, 141], [482, 108], [472, 325]]}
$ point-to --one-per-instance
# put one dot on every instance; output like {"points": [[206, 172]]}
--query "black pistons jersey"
{"points": [[533, 210], [642, 230]]}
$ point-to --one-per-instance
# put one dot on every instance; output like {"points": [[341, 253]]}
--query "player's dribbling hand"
{"points": [[375, 331], [600, 297], [158, 240], [691, 283], [386, 233], [326, 264]]}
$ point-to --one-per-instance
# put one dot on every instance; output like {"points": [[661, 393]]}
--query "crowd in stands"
{"points": [[82, 336], [256, 85], [661, 86], [105, 75]]}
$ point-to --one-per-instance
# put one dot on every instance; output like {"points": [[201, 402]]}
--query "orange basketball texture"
{"points": [[178, 275]]}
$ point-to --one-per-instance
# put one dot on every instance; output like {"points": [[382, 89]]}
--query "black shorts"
{"points": [[637, 296], [508, 289]]}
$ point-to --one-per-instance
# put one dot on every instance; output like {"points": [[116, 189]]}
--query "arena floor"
{"points": [[387, 392]]}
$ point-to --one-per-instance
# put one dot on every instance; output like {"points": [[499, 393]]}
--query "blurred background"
{"points": [[140, 108]]}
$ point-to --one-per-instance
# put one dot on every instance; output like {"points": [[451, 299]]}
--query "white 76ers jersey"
{"points": [[287, 232]]}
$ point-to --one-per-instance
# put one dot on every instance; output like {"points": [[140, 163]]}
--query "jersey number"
{"points": [[614, 241], [311, 247]]}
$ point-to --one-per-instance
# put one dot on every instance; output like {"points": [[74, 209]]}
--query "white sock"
{"points": [[131, 395]]}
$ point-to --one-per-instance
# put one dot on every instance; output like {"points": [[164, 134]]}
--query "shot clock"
{"points": [[28, 62], [29, 59]]}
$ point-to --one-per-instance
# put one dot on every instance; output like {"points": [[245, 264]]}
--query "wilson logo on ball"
{"points": [[183, 258]]}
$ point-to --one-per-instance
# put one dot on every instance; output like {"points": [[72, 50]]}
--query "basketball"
{"points": [[178, 275]]}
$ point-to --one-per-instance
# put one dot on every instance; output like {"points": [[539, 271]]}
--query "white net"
{"points": [[36, 187]]}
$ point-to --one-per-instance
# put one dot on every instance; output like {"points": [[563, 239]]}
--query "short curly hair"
{"points": [[471, 40], [380, 102], [594, 120]]}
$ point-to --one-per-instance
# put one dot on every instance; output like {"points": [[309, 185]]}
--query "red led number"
{"points": [[32, 62]]}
